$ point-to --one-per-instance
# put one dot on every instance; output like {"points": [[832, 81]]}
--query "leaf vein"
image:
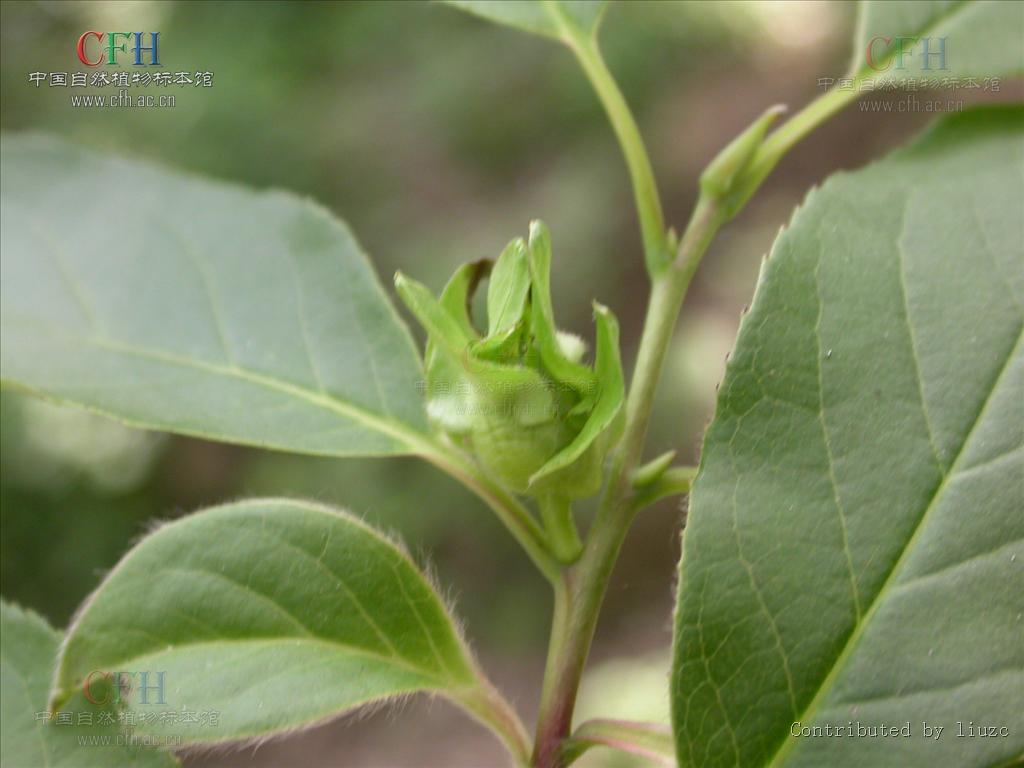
{"points": [[201, 268], [890, 582], [901, 263], [826, 439], [414, 441]]}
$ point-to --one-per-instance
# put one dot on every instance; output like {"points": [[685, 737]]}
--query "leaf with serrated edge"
{"points": [[216, 311], [275, 614], [28, 649], [854, 549]]}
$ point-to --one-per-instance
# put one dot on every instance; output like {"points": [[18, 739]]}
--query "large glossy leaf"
{"points": [[193, 306], [854, 550], [966, 38], [542, 17], [85, 736], [272, 614]]}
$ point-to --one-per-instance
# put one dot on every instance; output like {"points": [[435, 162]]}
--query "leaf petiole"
{"points": [[489, 707], [650, 740], [657, 251], [515, 517]]}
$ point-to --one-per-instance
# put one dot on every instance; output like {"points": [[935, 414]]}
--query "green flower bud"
{"points": [[519, 396]]}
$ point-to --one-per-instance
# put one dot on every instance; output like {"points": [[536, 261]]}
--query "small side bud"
{"points": [[652, 471], [719, 179]]}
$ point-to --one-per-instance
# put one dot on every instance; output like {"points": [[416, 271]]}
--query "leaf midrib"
{"points": [[852, 641], [291, 640], [441, 685], [416, 442]]}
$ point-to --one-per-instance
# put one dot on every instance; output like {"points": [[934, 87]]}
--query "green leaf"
{"points": [[854, 549], [274, 614], [200, 307], [28, 648], [981, 38], [541, 17]]}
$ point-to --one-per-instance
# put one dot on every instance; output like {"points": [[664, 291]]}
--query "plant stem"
{"points": [[781, 140], [516, 518], [650, 740], [578, 605], [578, 599], [579, 589], [645, 190], [556, 695]]}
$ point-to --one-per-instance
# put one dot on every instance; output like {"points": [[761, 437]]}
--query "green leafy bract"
{"points": [[534, 415]]}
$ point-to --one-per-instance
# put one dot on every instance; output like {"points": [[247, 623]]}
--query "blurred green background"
{"points": [[437, 137]]}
